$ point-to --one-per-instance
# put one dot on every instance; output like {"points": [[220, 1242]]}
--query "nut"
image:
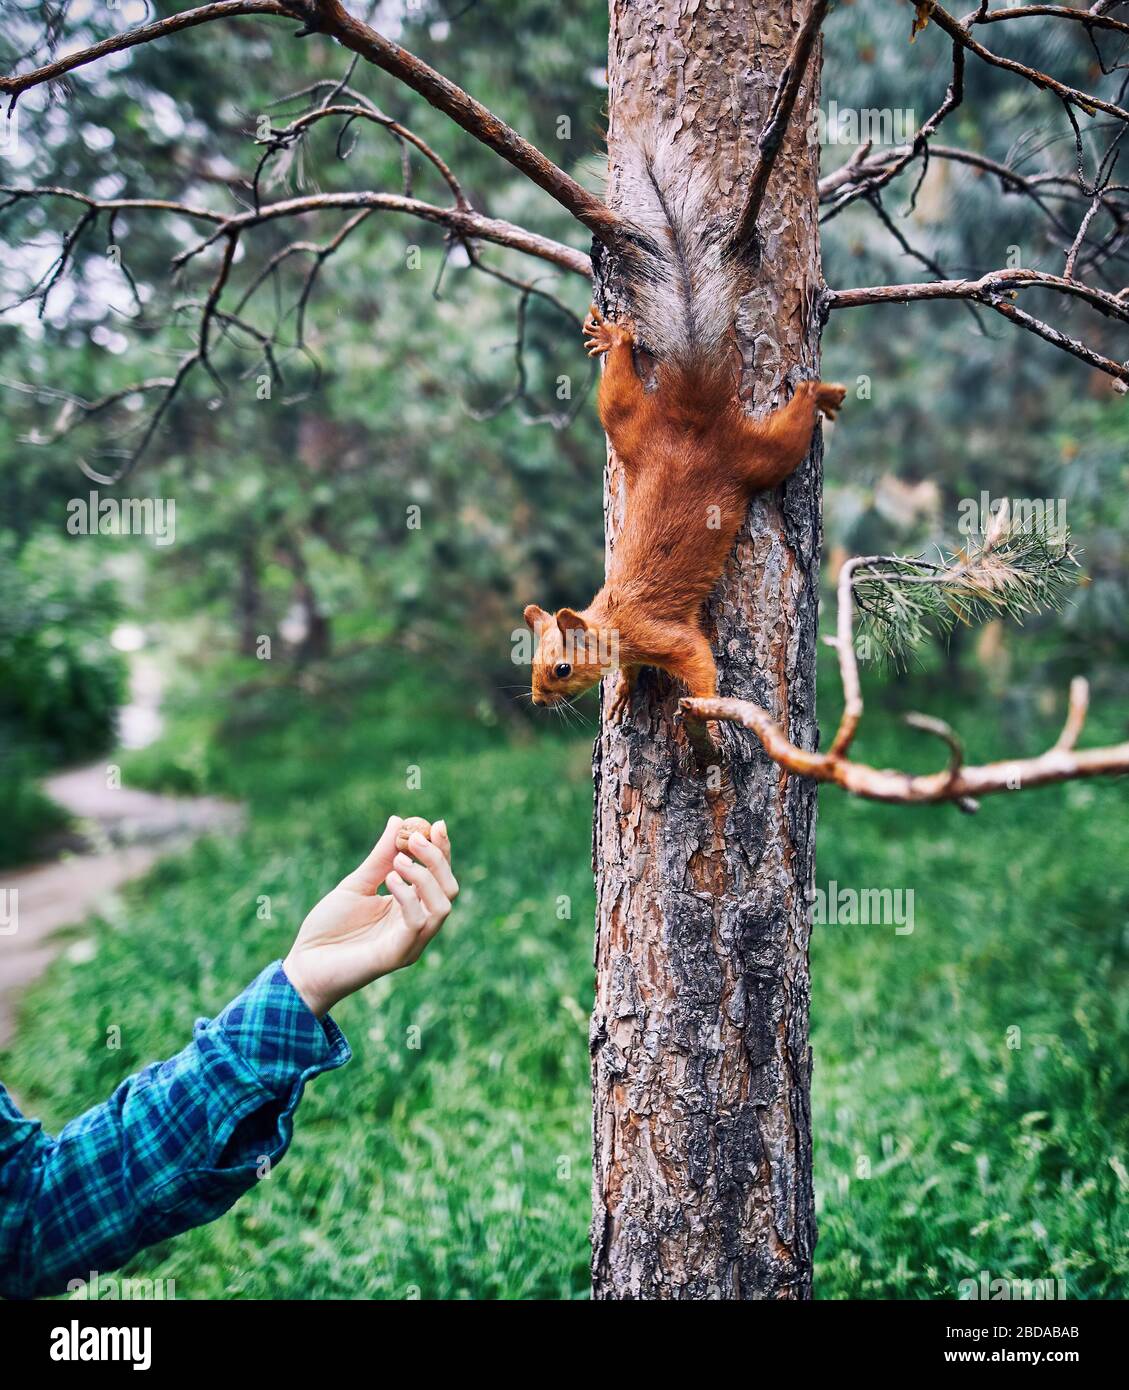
{"points": [[408, 829]]}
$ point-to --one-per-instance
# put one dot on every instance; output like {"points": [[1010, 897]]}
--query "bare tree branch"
{"points": [[16, 84], [963, 784], [874, 176], [995, 290], [869, 171], [1090, 18], [75, 406], [463, 224], [772, 136], [983, 575], [464, 221], [844, 644], [859, 173], [865, 172], [331, 17], [1114, 306], [217, 324], [519, 392], [1076, 244], [963, 36], [1076, 714], [363, 109]]}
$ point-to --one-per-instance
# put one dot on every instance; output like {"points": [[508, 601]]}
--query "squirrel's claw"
{"points": [[619, 702], [619, 706], [601, 334]]}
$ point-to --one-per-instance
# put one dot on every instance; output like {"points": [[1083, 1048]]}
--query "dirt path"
{"points": [[127, 831]]}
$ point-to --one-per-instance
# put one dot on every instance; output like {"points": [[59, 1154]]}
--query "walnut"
{"points": [[409, 827]]}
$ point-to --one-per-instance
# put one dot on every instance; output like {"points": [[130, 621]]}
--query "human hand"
{"points": [[355, 935]]}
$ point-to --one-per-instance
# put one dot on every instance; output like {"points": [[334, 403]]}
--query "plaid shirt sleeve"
{"points": [[173, 1147]]}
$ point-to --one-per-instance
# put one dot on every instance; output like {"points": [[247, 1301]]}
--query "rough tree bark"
{"points": [[701, 1064]]}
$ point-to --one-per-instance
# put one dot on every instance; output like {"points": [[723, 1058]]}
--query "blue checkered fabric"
{"points": [[173, 1147]]}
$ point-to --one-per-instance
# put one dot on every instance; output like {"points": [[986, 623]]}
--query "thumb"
{"points": [[372, 871]]}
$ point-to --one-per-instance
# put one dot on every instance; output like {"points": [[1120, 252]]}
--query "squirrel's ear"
{"points": [[535, 617], [568, 618]]}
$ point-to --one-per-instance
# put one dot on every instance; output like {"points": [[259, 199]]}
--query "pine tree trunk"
{"points": [[701, 1063]]}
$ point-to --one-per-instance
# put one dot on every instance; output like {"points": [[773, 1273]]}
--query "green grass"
{"points": [[971, 1095], [461, 1168]]}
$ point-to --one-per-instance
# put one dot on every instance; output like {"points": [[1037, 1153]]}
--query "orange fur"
{"points": [[691, 460]]}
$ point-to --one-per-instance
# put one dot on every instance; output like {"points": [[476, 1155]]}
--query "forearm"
{"points": [[173, 1147]]}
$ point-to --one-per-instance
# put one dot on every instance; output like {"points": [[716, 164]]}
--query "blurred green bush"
{"points": [[61, 682]]}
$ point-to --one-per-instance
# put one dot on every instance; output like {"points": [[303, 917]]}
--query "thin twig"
{"points": [[1072, 96], [994, 290], [330, 17], [18, 83], [466, 222]]}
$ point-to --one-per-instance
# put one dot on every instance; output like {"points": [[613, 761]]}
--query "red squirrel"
{"points": [[691, 457]]}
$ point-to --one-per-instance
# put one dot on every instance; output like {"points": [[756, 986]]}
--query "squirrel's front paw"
{"points": [[619, 702], [601, 334], [829, 398]]}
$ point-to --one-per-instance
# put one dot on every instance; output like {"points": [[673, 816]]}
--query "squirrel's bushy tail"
{"points": [[684, 287]]}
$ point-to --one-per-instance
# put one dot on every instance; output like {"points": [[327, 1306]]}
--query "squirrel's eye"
{"points": [[561, 670]]}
